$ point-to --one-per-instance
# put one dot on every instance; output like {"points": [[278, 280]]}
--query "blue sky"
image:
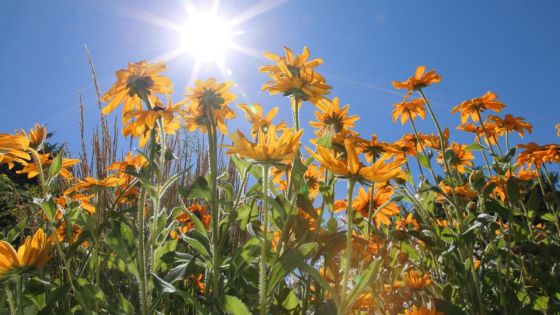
{"points": [[509, 47]]}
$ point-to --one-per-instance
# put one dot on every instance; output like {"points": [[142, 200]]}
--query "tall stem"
{"points": [[216, 261], [142, 277], [262, 269], [349, 228]]}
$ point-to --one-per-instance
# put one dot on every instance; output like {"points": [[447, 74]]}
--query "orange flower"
{"points": [[36, 136], [209, 103], [490, 136], [142, 122], [374, 148], [410, 143], [461, 191], [421, 311], [407, 223], [268, 147], [534, 154], [31, 168], [33, 253], [460, 159], [185, 222], [92, 184], [13, 148], [510, 123], [433, 141], [351, 167], [254, 115], [295, 76], [380, 197], [409, 110], [332, 118], [139, 82], [472, 108], [420, 80], [416, 281]]}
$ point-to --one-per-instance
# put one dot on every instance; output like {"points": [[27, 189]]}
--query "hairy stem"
{"points": [[262, 269]]}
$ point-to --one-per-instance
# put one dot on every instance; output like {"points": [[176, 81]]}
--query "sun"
{"points": [[207, 36]]}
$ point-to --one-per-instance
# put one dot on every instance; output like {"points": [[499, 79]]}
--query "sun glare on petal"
{"points": [[207, 36]]}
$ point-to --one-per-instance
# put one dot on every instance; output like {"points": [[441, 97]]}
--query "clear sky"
{"points": [[509, 47]]}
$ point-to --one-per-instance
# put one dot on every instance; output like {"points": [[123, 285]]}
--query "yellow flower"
{"points": [[472, 108], [461, 157], [31, 170], [92, 184], [409, 110], [351, 167], [209, 102], [297, 62], [380, 197], [490, 136], [420, 80], [557, 126], [142, 122], [421, 311], [36, 136], [185, 221], [407, 223], [463, 191], [33, 253], [211, 94], [295, 76], [410, 143], [534, 154], [510, 123], [254, 115], [331, 117], [374, 148], [13, 149], [135, 84], [268, 146], [416, 281]]}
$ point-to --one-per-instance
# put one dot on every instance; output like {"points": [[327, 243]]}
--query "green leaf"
{"points": [[325, 141], [163, 285], [292, 259], [168, 246], [549, 217], [474, 147], [513, 191], [197, 245], [56, 164], [423, 160], [198, 189], [235, 306], [49, 208]]}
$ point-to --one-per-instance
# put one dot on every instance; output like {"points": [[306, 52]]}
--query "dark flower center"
{"points": [[139, 85], [211, 99]]}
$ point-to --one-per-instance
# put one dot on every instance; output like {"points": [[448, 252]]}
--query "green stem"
{"points": [[295, 109], [142, 277], [19, 293], [348, 258], [216, 261], [262, 269], [423, 150]]}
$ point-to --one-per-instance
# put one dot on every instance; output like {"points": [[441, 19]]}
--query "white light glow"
{"points": [[207, 37]]}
